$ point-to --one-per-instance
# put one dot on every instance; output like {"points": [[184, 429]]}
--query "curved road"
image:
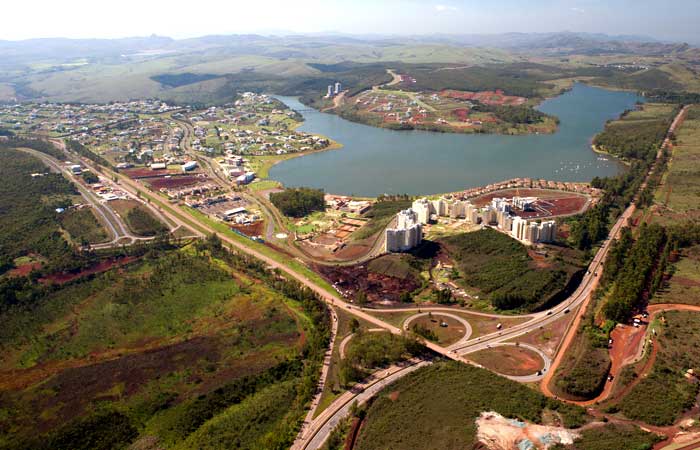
{"points": [[326, 422], [546, 363], [463, 321]]}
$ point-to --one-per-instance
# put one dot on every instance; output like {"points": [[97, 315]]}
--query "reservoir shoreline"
{"points": [[375, 161]]}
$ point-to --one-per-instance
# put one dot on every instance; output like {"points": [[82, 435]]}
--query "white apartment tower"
{"points": [[533, 232], [423, 208], [407, 234]]}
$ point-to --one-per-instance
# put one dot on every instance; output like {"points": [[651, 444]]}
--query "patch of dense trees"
{"points": [[592, 226], [299, 202], [6, 132], [513, 114], [368, 351], [35, 144], [586, 377], [90, 177], [500, 267], [83, 151], [28, 221], [633, 139], [683, 98], [175, 80], [142, 223], [646, 80], [632, 279]]}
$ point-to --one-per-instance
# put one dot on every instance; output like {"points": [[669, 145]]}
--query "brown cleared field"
{"points": [[548, 337], [145, 172], [509, 360], [175, 182], [551, 203], [447, 335]]}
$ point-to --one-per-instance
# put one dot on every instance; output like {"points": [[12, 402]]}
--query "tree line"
{"points": [[299, 202]]}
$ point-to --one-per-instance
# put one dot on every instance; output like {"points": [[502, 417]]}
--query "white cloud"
{"points": [[578, 10], [445, 8]]}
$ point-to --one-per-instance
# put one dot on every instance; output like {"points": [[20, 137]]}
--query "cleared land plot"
{"points": [[145, 172], [175, 182], [509, 360], [442, 329], [550, 203], [387, 279]]}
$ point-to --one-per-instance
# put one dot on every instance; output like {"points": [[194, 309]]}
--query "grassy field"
{"points": [[137, 342], [138, 218], [509, 360], [431, 327], [678, 192], [396, 265], [405, 414], [619, 437], [661, 397], [83, 226], [583, 371], [684, 285]]}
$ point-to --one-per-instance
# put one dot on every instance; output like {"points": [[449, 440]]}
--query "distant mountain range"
{"points": [[553, 43]]}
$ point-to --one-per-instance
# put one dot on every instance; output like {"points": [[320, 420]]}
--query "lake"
{"points": [[374, 161]]}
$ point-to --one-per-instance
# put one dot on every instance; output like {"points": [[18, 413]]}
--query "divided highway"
{"points": [[315, 433]]}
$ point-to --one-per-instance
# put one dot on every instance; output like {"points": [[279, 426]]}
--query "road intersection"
{"points": [[312, 433]]}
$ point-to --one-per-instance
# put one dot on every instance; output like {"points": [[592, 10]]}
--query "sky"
{"points": [[180, 19]]}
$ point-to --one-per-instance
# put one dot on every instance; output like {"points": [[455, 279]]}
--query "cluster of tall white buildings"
{"points": [[442, 207], [407, 234], [334, 89], [499, 214], [533, 232]]}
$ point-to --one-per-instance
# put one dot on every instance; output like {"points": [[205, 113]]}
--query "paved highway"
{"points": [[110, 219], [325, 423], [180, 216]]}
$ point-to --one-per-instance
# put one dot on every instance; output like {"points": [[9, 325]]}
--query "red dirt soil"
{"points": [[24, 269], [102, 266], [510, 360], [144, 172], [485, 97], [253, 229], [175, 182]]}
